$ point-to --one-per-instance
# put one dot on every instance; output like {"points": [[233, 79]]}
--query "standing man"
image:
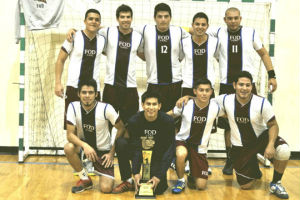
{"points": [[236, 44], [199, 51], [152, 130], [120, 80], [254, 130], [198, 117], [88, 131], [162, 51], [85, 52]]}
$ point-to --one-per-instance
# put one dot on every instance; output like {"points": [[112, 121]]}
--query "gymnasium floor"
{"points": [[50, 177]]}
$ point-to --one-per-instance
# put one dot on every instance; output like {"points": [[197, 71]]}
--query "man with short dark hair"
{"points": [[254, 129], [162, 51], [152, 130], [84, 53], [236, 49], [88, 131], [192, 140]]}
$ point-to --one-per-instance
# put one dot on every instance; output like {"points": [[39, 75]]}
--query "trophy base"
{"points": [[145, 191]]}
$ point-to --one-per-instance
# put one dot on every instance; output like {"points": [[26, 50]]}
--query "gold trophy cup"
{"points": [[145, 191]]}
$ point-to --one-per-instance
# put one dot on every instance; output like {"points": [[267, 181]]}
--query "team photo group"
{"points": [[180, 109]]}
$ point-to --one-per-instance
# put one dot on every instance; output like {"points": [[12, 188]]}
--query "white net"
{"points": [[44, 111]]}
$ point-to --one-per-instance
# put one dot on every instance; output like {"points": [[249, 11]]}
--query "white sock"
{"points": [[83, 174], [182, 179], [129, 180]]}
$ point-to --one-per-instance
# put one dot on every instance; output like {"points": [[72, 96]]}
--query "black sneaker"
{"points": [[228, 169], [82, 185]]}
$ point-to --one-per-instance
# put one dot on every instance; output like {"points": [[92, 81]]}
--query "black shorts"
{"points": [[72, 95], [169, 94], [124, 100], [244, 159]]}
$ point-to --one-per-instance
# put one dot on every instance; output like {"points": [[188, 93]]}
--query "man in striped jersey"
{"points": [[254, 130], [84, 52], [236, 48], [88, 131], [192, 140], [162, 51]]}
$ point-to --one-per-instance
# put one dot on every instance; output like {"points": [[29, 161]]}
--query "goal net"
{"points": [[43, 111]]}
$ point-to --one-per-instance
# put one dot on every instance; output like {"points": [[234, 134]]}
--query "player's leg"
{"points": [[181, 155], [72, 154], [129, 103], [199, 170], [106, 184], [224, 124], [124, 156], [280, 161]]}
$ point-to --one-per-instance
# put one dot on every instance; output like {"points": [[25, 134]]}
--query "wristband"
{"points": [[271, 74]]}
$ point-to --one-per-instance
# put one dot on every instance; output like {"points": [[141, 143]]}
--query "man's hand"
{"points": [[154, 180], [269, 151], [182, 100], [59, 90], [272, 85], [108, 160], [137, 179], [70, 34], [90, 152]]}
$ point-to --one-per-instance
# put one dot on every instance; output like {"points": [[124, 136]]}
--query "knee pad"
{"points": [[282, 152]]}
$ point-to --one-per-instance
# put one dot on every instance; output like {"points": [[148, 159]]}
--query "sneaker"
{"points": [[228, 170], [123, 187], [191, 182], [178, 188], [187, 168], [209, 171], [173, 166], [82, 185], [278, 190]]}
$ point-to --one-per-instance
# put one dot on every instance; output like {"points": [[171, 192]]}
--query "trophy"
{"points": [[145, 191]]}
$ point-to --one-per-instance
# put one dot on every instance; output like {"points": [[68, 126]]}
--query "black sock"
{"points": [[228, 150], [276, 176]]}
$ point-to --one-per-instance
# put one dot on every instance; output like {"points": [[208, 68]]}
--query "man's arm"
{"points": [[263, 53], [72, 138], [273, 134], [59, 67], [109, 157]]}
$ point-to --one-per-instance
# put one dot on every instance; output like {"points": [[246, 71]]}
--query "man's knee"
{"points": [[69, 148], [181, 152], [201, 183], [106, 187], [282, 152]]}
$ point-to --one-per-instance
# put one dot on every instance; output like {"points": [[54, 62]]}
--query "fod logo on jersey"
{"points": [[150, 133], [163, 38], [88, 127], [124, 45], [199, 119], [199, 52], [90, 52], [234, 38], [242, 120]]}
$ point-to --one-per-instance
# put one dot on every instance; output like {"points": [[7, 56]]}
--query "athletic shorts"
{"points": [[244, 159], [189, 91], [99, 168], [72, 95], [124, 100], [228, 89], [169, 94], [197, 161]]}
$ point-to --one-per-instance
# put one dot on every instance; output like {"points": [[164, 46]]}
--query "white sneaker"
{"points": [[278, 190]]}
